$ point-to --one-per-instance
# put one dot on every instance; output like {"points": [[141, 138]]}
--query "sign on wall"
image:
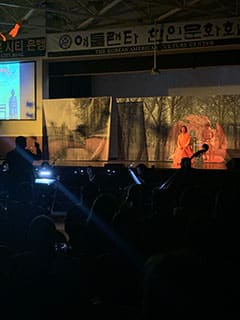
{"points": [[23, 48], [179, 37], [132, 40]]}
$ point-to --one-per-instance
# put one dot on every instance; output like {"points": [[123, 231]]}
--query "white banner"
{"points": [[132, 40]]}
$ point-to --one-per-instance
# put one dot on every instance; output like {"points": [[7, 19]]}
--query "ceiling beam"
{"points": [[176, 10], [99, 13]]}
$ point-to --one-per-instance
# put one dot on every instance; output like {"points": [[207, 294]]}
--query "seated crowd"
{"points": [[148, 250]]}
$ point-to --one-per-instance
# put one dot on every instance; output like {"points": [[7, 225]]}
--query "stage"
{"points": [[198, 164]]}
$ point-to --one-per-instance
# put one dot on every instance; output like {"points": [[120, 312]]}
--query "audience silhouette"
{"points": [[117, 256], [20, 161]]}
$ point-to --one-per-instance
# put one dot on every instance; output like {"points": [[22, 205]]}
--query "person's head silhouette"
{"points": [[186, 163], [21, 142]]}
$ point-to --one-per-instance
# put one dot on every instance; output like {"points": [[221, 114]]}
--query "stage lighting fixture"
{"points": [[46, 181], [113, 168], [82, 171], [45, 174], [134, 176], [110, 171]]}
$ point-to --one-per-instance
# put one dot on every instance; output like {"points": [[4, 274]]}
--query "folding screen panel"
{"points": [[76, 129]]}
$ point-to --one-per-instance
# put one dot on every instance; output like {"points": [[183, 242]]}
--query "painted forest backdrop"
{"points": [[77, 129], [146, 129]]}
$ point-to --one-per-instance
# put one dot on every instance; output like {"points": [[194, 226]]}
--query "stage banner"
{"points": [[76, 129], [149, 126], [166, 38]]}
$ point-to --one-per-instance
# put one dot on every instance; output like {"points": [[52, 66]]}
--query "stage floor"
{"points": [[149, 164]]}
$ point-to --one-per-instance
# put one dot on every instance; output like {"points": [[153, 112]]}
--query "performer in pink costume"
{"points": [[183, 146]]}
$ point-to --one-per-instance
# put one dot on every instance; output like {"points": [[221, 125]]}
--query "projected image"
{"points": [[17, 91]]}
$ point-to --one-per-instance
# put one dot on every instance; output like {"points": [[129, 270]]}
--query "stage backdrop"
{"points": [[76, 129], [148, 127], [145, 129]]}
